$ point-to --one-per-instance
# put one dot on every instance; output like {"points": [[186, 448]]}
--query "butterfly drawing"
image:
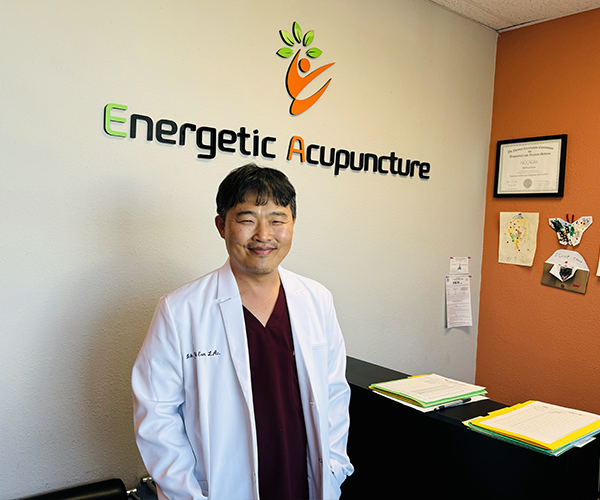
{"points": [[570, 233]]}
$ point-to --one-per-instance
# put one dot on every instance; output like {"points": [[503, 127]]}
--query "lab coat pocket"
{"points": [[336, 490], [320, 371], [204, 487]]}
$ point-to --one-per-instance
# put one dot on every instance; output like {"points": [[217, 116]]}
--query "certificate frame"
{"points": [[531, 167]]}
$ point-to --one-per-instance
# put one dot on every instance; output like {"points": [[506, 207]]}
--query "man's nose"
{"points": [[263, 232]]}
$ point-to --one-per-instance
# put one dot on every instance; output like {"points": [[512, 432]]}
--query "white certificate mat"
{"points": [[530, 166]]}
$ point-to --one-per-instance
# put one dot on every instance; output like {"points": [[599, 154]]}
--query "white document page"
{"points": [[430, 388], [459, 265], [542, 421], [458, 301], [427, 409]]}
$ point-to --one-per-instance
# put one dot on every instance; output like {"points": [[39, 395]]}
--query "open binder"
{"points": [[543, 427]]}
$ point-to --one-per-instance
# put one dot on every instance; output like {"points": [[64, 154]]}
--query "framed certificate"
{"points": [[531, 167]]}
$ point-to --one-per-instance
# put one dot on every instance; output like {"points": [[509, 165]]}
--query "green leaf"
{"points": [[308, 38], [287, 38], [314, 52], [285, 52], [297, 32]]}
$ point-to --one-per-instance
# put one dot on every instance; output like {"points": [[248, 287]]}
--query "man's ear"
{"points": [[220, 223]]}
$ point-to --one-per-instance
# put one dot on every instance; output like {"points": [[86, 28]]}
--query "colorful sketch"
{"points": [[570, 233], [518, 238]]}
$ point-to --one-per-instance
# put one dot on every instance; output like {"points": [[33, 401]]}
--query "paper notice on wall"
{"points": [[459, 265], [458, 301]]}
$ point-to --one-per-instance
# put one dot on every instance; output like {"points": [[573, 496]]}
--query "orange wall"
{"points": [[538, 342]]}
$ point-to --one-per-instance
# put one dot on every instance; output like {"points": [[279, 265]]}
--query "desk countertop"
{"points": [[361, 374]]}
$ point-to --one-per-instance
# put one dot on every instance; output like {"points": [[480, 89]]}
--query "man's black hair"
{"points": [[266, 183]]}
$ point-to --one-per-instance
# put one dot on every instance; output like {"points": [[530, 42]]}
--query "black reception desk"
{"points": [[399, 452]]}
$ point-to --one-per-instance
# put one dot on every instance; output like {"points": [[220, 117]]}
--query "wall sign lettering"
{"points": [[211, 141]]}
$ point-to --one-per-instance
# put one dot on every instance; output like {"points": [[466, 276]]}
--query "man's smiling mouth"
{"points": [[260, 250]]}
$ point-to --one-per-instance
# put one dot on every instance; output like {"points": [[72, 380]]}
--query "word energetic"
{"points": [[208, 139]]}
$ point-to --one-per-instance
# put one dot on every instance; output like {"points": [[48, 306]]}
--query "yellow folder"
{"points": [[540, 424]]}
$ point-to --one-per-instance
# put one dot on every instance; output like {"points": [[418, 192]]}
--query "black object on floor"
{"points": [[110, 489]]}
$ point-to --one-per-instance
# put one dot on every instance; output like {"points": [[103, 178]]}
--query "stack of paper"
{"points": [[428, 390], [543, 427]]}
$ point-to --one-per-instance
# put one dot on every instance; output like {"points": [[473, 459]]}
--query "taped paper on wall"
{"points": [[518, 238], [458, 301], [459, 265]]}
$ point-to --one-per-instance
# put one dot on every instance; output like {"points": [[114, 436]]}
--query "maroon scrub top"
{"points": [[280, 429]]}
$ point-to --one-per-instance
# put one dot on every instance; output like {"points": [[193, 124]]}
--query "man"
{"points": [[239, 388]]}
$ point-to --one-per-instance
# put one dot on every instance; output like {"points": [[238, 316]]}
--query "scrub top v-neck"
{"points": [[280, 428]]}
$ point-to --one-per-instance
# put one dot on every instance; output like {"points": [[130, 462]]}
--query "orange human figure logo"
{"points": [[294, 81]]}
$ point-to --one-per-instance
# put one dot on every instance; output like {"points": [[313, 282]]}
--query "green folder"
{"points": [[428, 390], [554, 453]]}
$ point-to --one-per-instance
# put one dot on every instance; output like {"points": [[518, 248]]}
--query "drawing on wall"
{"points": [[459, 265], [567, 270], [570, 233], [518, 238]]}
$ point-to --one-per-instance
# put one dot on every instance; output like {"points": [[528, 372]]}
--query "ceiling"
{"points": [[503, 15]]}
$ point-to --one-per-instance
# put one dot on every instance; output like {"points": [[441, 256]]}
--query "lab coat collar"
{"points": [[230, 304], [227, 287]]}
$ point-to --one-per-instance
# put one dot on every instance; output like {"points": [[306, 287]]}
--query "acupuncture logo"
{"points": [[298, 76]]}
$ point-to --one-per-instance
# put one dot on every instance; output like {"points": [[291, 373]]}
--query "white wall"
{"points": [[97, 228]]}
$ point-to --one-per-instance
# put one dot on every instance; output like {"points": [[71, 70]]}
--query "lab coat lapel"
{"points": [[230, 303], [296, 302], [297, 308]]}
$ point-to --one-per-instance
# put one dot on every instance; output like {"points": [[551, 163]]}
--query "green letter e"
{"points": [[109, 118]]}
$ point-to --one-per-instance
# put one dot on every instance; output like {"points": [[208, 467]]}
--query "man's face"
{"points": [[257, 237]]}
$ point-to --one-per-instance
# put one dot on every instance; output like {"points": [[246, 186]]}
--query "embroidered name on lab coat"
{"points": [[202, 354]]}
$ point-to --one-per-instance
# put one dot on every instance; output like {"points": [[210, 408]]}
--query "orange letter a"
{"points": [[292, 149]]}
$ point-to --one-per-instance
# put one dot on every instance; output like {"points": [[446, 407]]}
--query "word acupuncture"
{"points": [[341, 159]]}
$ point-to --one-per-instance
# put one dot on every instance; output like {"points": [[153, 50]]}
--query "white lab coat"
{"points": [[193, 408]]}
